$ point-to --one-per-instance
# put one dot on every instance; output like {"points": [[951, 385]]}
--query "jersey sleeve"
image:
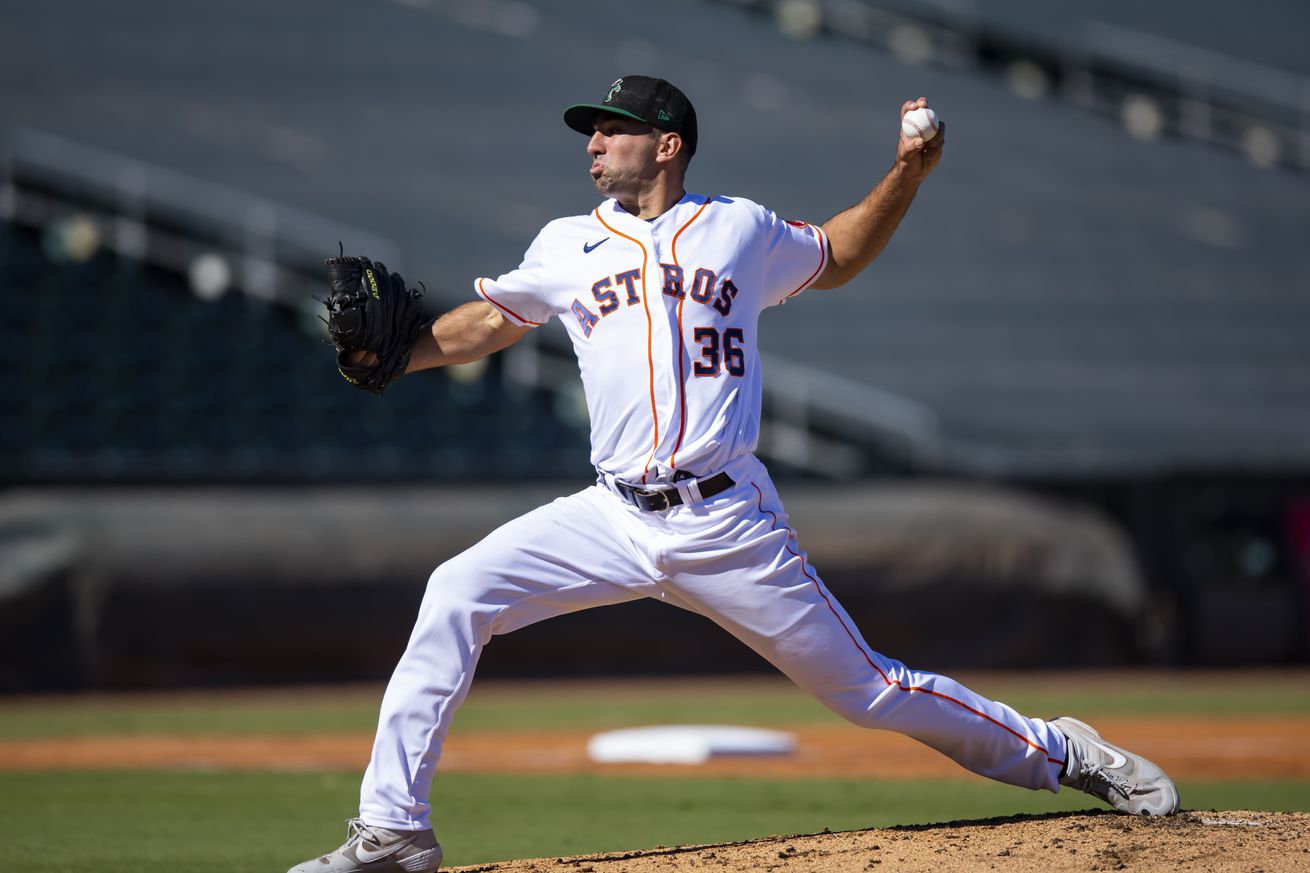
{"points": [[520, 294], [795, 254]]}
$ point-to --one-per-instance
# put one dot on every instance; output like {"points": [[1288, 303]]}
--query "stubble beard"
{"points": [[620, 183], [610, 183]]}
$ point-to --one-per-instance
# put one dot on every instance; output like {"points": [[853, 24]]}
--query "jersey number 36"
{"points": [[716, 348]]}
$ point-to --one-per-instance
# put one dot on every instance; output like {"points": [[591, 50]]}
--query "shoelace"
{"points": [[1092, 777], [356, 830]]}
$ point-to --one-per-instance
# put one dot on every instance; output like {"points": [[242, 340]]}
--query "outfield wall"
{"points": [[141, 588]]}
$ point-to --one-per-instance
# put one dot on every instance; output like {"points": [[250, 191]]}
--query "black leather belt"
{"points": [[660, 499]]}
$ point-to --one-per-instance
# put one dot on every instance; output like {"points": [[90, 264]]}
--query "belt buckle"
{"points": [[659, 497]]}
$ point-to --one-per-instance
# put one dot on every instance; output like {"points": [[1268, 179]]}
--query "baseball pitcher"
{"points": [[660, 291]]}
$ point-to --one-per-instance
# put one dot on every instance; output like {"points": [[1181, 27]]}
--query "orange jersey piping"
{"points": [[682, 346], [823, 262], [505, 309], [650, 354]]}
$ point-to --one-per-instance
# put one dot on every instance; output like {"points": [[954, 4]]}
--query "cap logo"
{"points": [[664, 116], [614, 89]]}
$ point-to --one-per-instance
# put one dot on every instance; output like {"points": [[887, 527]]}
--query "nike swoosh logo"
{"points": [[367, 856], [588, 249], [1116, 760]]}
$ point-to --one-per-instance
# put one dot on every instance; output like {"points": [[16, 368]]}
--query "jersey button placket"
{"points": [[652, 289], [667, 362]]}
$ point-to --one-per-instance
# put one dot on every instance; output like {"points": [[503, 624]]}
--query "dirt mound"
{"points": [[1212, 841]]}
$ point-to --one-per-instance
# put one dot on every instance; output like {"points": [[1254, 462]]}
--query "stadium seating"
{"points": [[118, 373]]}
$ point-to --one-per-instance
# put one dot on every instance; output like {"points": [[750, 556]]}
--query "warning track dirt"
{"points": [[1188, 748]]}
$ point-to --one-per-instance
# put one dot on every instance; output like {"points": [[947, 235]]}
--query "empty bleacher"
{"points": [[1064, 297], [119, 373]]}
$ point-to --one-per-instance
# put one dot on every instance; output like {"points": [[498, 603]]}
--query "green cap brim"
{"points": [[581, 116]]}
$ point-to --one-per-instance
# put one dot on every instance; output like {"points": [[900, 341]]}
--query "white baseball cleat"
{"points": [[371, 849], [1128, 782]]}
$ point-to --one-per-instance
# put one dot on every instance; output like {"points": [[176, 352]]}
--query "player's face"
{"points": [[622, 153]]}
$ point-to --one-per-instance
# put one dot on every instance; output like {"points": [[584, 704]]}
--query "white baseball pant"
{"points": [[732, 559]]}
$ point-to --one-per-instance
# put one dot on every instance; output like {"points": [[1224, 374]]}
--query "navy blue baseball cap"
{"points": [[643, 98]]}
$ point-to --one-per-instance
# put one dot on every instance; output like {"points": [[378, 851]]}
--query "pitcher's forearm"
{"points": [[469, 333], [859, 234]]}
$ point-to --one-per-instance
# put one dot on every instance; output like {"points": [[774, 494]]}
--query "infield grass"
{"points": [[204, 821], [125, 822]]}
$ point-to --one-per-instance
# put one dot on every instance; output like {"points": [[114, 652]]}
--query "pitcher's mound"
{"points": [[1211, 841]]}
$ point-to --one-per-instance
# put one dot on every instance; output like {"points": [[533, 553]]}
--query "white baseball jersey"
{"points": [[663, 316]]}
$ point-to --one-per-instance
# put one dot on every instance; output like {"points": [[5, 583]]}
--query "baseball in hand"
{"points": [[920, 122]]}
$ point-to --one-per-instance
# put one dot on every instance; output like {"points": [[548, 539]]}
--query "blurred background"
{"points": [[1063, 421]]}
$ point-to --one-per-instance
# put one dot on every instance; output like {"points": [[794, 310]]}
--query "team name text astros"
{"points": [[705, 288]]}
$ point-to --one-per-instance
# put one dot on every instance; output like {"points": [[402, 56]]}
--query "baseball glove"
{"points": [[371, 310]]}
